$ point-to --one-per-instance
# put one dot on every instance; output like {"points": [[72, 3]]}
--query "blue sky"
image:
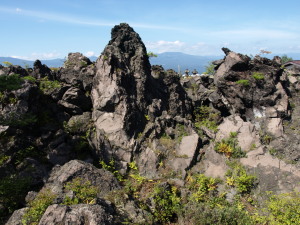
{"points": [[43, 29]]}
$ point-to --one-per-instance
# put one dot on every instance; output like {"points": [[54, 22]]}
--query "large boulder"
{"points": [[79, 214], [78, 71], [119, 89], [41, 70], [100, 178]]}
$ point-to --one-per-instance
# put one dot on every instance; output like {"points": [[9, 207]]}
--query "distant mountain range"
{"points": [[177, 61]]}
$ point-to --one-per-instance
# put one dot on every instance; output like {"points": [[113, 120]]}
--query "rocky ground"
{"points": [[120, 141]]}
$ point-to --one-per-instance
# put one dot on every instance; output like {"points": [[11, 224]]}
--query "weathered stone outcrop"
{"points": [[100, 178], [41, 70], [79, 214], [78, 71], [119, 88]]}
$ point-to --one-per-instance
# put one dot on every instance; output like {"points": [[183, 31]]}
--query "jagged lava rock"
{"points": [[78, 70], [118, 93]]}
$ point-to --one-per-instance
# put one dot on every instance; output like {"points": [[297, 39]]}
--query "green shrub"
{"points": [[258, 76], [37, 207], [207, 117], [10, 82], [3, 159], [13, 191], [83, 64], [84, 192], [47, 86], [8, 63], [201, 213], [229, 147], [202, 187], [210, 69], [243, 82], [167, 204], [151, 54], [238, 177], [29, 151], [285, 59], [30, 79], [284, 208], [110, 166]]}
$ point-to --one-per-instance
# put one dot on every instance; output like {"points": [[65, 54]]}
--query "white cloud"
{"points": [[165, 46], [18, 10], [90, 53], [41, 56]]}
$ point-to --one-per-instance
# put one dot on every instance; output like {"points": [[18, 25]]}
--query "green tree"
{"points": [[285, 59], [151, 54], [210, 69]]}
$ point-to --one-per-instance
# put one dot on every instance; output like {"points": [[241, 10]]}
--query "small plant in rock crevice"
{"points": [[37, 207], [202, 187], [83, 191], [238, 177], [166, 202], [111, 166], [245, 83], [229, 147], [258, 76], [47, 86], [206, 116]]}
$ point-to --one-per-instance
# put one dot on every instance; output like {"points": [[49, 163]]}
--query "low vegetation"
{"points": [[37, 207], [243, 82], [229, 147], [207, 117], [83, 192]]}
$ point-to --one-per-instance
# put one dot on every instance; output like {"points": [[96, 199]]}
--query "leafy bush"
{"points": [[285, 59], [110, 166], [202, 187], [151, 54], [243, 82], [48, 85], [30, 79], [210, 69], [284, 208], [201, 213], [10, 82], [3, 159], [167, 203], [84, 192], [229, 147], [207, 117], [13, 191], [37, 207], [238, 177], [258, 76]]}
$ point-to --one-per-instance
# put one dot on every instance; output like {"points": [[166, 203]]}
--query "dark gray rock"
{"points": [[78, 71], [75, 101], [79, 214], [41, 70], [100, 178], [16, 217]]}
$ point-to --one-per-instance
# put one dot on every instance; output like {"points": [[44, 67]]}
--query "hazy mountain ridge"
{"points": [[177, 61]]}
